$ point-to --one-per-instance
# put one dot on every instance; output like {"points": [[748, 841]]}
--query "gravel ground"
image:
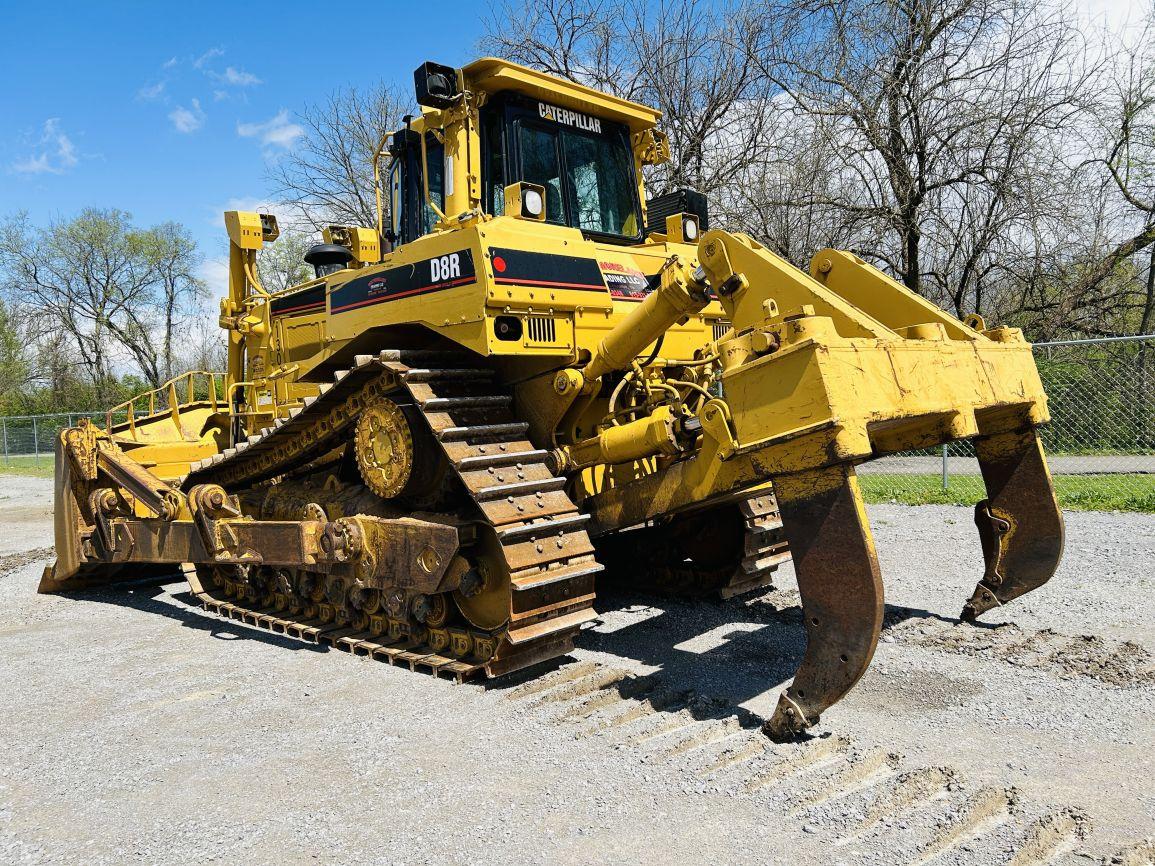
{"points": [[138, 729]]}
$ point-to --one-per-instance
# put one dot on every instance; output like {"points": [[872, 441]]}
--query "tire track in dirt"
{"points": [[1117, 663], [12, 561], [829, 787]]}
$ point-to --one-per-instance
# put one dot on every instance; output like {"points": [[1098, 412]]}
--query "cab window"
{"points": [[412, 215], [540, 164], [494, 163], [600, 183], [435, 158]]}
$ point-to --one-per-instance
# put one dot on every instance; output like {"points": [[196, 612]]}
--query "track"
{"points": [[536, 537]]}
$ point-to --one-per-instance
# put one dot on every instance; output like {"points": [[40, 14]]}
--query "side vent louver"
{"points": [[541, 329], [721, 326]]}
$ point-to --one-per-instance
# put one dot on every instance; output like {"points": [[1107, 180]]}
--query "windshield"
{"points": [[598, 194], [599, 177]]}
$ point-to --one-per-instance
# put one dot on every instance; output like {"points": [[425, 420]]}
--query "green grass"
{"points": [[1130, 492], [26, 464], [1127, 492]]}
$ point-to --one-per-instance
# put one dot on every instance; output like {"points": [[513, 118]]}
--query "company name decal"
{"points": [[624, 281], [569, 118], [419, 278]]}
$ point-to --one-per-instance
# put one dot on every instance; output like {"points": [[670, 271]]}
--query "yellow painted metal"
{"points": [[626, 443], [493, 75], [244, 228], [363, 243], [834, 381]]}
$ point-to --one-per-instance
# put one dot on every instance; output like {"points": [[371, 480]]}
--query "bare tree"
{"points": [[1126, 127], [675, 57], [328, 178], [938, 108], [574, 39]]}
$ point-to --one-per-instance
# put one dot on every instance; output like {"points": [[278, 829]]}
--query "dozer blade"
{"points": [[1020, 525], [841, 587]]}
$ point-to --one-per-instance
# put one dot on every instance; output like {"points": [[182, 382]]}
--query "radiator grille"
{"points": [[721, 326], [541, 329]]}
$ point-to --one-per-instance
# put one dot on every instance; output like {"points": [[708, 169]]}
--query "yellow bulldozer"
{"points": [[429, 452]]}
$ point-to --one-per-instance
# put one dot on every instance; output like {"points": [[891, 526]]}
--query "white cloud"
{"points": [[207, 56], [1116, 15], [278, 131], [236, 77], [56, 152], [214, 272], [253, 204], [170, 63], [290, 218], [152, 91], [187, 119]]}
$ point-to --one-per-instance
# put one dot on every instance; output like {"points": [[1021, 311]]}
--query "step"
{"points": [[446, 404], [431, 374], [544, 527], [547, 627], [556, 576], [756, 566]]}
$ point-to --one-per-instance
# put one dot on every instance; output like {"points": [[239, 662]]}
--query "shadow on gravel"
{"points": [[149, 596], [741, 651]]}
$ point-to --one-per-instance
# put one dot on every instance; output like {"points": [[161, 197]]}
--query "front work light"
{"points": [[682, 228], [525, 201]]}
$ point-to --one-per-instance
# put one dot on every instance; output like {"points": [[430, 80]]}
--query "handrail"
{"points": [[377, 182], [171, 397]]}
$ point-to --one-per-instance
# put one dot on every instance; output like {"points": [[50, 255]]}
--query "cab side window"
{"points": [[494, 156], [412, 214]]}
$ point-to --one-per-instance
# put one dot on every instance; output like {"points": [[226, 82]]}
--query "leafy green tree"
{"points": [[107, 296], [14, 366]]}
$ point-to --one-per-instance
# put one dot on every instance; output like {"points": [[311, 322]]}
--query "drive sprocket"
{"points": [[383, 445]]}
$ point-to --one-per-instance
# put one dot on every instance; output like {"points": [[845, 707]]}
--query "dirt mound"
{"points": [[13, 561], [1117, 663]]}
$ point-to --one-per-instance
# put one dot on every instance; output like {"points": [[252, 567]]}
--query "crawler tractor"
{"points": [[527, 374]]}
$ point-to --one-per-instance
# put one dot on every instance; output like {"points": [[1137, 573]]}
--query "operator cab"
{"points": [[584, 161]]}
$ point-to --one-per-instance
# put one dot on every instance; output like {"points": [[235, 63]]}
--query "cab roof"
{"points": [[492, 75]]}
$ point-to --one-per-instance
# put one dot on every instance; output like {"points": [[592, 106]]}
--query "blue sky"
{"points": [[172, 110]]}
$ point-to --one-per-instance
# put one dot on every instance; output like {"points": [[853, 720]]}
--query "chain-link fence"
{"points": [[1100, 442], [29, 441]]}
